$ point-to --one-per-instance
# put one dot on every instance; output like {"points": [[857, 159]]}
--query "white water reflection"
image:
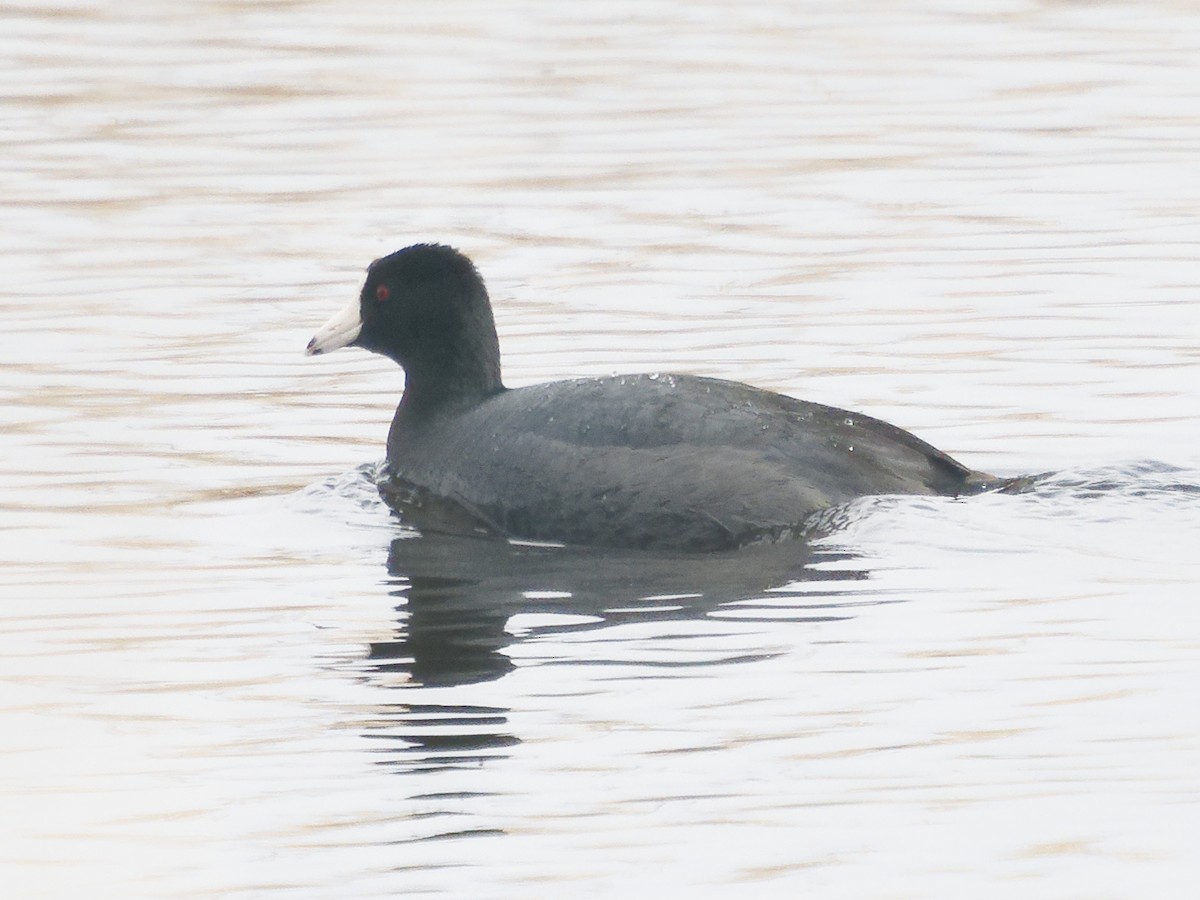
{"points": [[977, 224]]}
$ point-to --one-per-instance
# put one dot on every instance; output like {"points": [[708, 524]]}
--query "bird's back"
{"points": [[673, 462]]}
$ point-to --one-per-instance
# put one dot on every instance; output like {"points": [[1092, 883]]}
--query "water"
{"points": [[227, 671]]}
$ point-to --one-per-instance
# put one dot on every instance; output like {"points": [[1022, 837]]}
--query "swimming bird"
{"points": [[667, 462]]}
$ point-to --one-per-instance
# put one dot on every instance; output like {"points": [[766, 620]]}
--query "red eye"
{"points": [[382, 293]]}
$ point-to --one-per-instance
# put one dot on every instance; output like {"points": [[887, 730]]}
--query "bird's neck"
{"points": [[450, 381]]}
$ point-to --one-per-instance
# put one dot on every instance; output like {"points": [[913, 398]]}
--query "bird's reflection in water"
{"points": [[459, 594]]}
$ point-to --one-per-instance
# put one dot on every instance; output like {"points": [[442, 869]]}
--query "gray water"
{"points": [[227, 671]]}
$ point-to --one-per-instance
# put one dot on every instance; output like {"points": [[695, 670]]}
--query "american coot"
{"points": [[676, 462]]}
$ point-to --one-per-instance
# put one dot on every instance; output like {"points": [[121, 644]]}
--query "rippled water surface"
{"points": [[228, 672]]}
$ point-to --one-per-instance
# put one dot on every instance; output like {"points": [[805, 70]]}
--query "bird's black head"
{"points": [[427, 308]]}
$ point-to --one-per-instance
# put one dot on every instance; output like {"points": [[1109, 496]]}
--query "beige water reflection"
{"points": [[979, 224]]}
